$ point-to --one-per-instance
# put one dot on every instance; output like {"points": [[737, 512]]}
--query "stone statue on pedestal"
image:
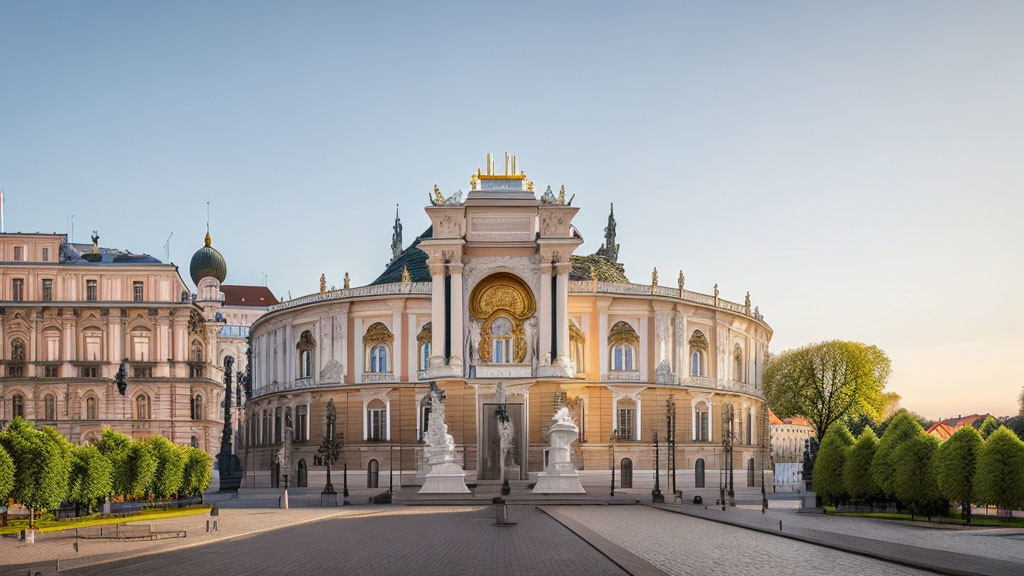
{"points": [[445, 476], [560, 476]]}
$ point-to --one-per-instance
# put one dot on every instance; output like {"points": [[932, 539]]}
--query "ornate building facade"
{"points": [[71, 313], [491, 293]]}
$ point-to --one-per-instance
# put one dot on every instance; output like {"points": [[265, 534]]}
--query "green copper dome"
{"points": [[208, 262]]}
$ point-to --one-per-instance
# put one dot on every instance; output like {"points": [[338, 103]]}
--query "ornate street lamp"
{"points": [[656, 495]]}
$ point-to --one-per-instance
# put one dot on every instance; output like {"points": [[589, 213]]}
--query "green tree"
{"points": [[828, 382], [999, 480], [198, 471], [955, 465], [860, 485], [41, 464], [143, 468], [6, 474], [170, 469], [134, 463], [828, 466], [91, 476], [901, 428], [914, 479], [988, 426]]}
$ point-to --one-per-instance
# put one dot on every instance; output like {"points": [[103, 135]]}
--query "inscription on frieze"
{"points": [[501, 228]]}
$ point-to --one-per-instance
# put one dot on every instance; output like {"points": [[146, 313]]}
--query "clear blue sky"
{"points": [[856, 166]]}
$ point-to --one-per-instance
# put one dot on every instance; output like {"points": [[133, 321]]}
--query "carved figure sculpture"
{"points": [[530, 332], [445, 476], [560, 476], [505, 434]]}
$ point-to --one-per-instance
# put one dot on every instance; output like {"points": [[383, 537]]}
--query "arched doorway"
{"points": [[301, 475], [698, 473], [626, 473], [372, 474], [750, 472]]}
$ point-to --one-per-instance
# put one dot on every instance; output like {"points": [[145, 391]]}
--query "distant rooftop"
{"points": [[257, 296], [73, 254]]}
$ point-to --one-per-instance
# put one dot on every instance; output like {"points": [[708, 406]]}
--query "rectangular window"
{"points": [[143, 371], [137, 291], [15, 371], [378, 424], [52, 371], [17, 289], [90, 372], [625, 423], [47, 290], [90, 290], [18, 255], [46, 254]]}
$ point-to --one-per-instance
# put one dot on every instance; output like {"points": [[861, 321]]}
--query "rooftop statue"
{"points": [[548, 197], [610, 249]]}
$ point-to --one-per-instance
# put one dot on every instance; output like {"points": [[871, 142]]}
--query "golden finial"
{"points": [[406, 278], [96, 241], [682, 281], [323, 283], [473, 179], [347, 286], [654, 279], [561, 195], [529, 185], [438, 198], [206, 241]]}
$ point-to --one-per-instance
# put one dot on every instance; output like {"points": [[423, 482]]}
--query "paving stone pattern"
{"points": [[682, 545], [401, 540]]}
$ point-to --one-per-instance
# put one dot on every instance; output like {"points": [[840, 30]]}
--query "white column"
{"points": [[309, 415], [711, 422], [643, 354], [437, 337], [289, 353], [615, 413], [387, 411], [544, 318], [602, 340], [358, 353], [396, 360], [457, 331], [562, 299], [413, 348], [693, 420], [637, 434]]}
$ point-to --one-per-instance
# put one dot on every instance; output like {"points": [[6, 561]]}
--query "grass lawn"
{"points": [[976, 520], [50, 525]]}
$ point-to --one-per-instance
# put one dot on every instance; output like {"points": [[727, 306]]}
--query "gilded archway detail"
{"points": [[502, 295]]}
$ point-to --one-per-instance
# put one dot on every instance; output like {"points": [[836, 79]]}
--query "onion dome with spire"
{"points": [[207, 262]]}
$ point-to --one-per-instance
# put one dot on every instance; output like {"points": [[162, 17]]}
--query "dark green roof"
{"points": [[413, 258], [604, 269], [208, 262]]}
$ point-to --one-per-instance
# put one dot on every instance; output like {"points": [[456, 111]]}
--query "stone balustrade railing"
{"points": [[395, 288], [591, 287]]}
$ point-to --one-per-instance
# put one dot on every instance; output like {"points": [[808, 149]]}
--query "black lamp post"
{"points": [[611, 453], [670, 411], [656, 495]]}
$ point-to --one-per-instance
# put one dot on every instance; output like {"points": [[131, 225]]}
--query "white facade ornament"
{"points": [[331, 374], [560, 476], [530, 332]]}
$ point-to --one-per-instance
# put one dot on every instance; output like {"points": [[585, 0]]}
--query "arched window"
{"points": [[423, 343], [17, 368], [702, 415], [17, 406], [376, 420], [49, 407], [737, 364], [750, 426], [379, 358], [142, 407], [197, 407], [698, 354], [501, 341], [195, 367], [301, 479], [91, 408], [194, 442], [623, 342], [698, 473], [306, 346]]}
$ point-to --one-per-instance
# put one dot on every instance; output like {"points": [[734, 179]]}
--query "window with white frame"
{"points": [[501, 341], [142, 409], [376, 420], [301, 418], [424, 356], [379, 359], [91, 406], [702, 415], [622, 357], [305, 347], [622, 342], [625, 419], [49, 407], [698, 355]]}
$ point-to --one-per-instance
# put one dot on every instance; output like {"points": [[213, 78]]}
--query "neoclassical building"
{"points": [[70, 313], [492, 292]]}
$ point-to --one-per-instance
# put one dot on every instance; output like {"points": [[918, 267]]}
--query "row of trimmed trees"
{"points": [[40, 469], [911, 467]]}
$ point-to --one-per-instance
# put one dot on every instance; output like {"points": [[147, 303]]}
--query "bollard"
{"points": [[780, 525]]}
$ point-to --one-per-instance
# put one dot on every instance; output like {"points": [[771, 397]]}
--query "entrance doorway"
{"points": [[626, 473], [372, 474]]}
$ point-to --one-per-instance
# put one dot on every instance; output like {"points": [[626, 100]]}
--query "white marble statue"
{"points": [[530, 333], [560, 476], [505, 434], [445, 476]]}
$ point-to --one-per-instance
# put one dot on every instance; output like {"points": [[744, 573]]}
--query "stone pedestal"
{"points": [[328, 499], [446, 478], [283, 502], [560, 476]]}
